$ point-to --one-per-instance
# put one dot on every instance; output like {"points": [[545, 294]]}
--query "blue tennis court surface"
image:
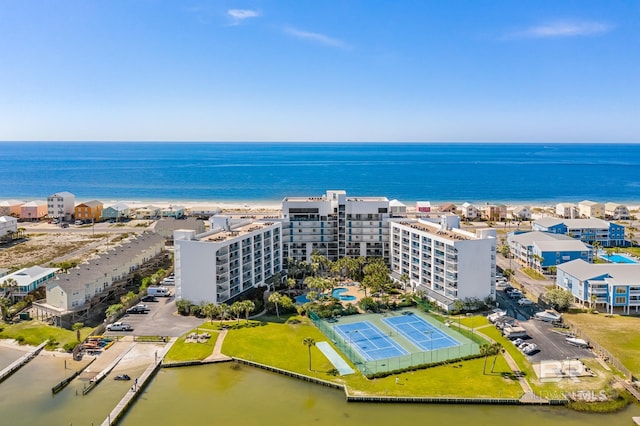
{"points": [[371, 343], [421, 333]]}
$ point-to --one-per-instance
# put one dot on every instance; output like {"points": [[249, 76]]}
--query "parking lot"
{"points": [[161, 320], [551, 345]]}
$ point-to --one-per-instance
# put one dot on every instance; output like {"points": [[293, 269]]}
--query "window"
{"points": [[621, 300], [621, 290]]}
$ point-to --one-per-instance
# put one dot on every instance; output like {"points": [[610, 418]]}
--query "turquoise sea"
{"points": [[239, 172]]}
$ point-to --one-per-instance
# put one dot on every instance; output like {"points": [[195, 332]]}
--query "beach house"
{"points": [[541, 250], [231, 259], [176, 212], [89, 211], [33, 210], [8, 227], [61, 206], [469, 211], [10, 208], [335, 225], [520, 213], [19, 284], [118, 211], [423, 206], [494, 212], [590, 209], [612, 287], [147, 212], [444, 262], [567, 210], [607, 234], [447, 208], [397, 208], [615, 211]]}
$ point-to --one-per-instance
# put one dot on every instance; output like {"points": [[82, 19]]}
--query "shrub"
{"points": [[69, 347]]}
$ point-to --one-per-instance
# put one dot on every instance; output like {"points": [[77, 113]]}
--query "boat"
{"points": [[122, 377], [577, 342]]}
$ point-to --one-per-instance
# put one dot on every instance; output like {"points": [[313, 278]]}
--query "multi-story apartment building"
{"points": [[61, 205], [73, 294], [607, 234], [541, 250], [335, 225], [591, 209], [220, 265], [614, 286], [448, 264], [616, 211]]}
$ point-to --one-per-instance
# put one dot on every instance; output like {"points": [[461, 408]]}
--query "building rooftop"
{"points": [[616, 273], [572, 223], [436, 229], [238, 231], [528, 238]]}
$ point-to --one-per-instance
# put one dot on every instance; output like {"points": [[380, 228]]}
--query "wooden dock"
{"points": [[20, 362]]}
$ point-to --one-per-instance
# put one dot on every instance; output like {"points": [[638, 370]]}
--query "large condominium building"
{"points": [[219, 265], [616, 287], [335, 226], [446, 263]]}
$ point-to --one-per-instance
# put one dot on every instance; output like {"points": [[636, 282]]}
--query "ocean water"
{"points": [[242, 172]]}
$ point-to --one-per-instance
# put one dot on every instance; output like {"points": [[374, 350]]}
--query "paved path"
{"points": [[217, 354]]}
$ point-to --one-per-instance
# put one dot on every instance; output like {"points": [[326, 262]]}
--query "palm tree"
{"points": [[404, 279], [237, 309], [596, 246], [8, 285], [76, 327], [497, 347], [485, 349], [309, 341], [248, 306], [275, 298], [209, 310], [4, 306]]}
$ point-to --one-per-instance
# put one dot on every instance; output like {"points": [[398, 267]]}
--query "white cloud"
{"points": [[563, 29], [239, 15], [315, 37]]}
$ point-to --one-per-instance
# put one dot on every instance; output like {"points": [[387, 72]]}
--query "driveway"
{"points": [[161, 320]]}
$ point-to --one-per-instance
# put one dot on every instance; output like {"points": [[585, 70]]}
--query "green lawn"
{"points": [[280, 345], [182, 351], [34, 332], [618, 334]]}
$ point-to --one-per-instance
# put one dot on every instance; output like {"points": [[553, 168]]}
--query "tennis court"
{"points": [[369, 341], [421, 333]]}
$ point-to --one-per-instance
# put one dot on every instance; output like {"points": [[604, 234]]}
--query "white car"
{"points": [[525, 302], [78, 222]]}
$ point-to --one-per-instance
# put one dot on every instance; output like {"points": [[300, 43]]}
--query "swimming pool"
{"points": [[338, 294], [617, 258]]}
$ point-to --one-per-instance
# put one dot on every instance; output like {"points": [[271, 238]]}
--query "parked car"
{"points": [[78, 222], [149, 298], [64, 225], [530, 348], [525, 302], [119, 326], [138, 309], [515, 294]]}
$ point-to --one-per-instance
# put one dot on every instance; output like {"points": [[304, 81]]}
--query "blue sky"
{"points": [[309, 70]]}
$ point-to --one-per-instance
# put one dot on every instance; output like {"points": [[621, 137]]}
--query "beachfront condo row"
{"points": [[232, 258], [612, 286]]}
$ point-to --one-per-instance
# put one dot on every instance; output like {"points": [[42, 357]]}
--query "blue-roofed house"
{"points": [[608, 234]]}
